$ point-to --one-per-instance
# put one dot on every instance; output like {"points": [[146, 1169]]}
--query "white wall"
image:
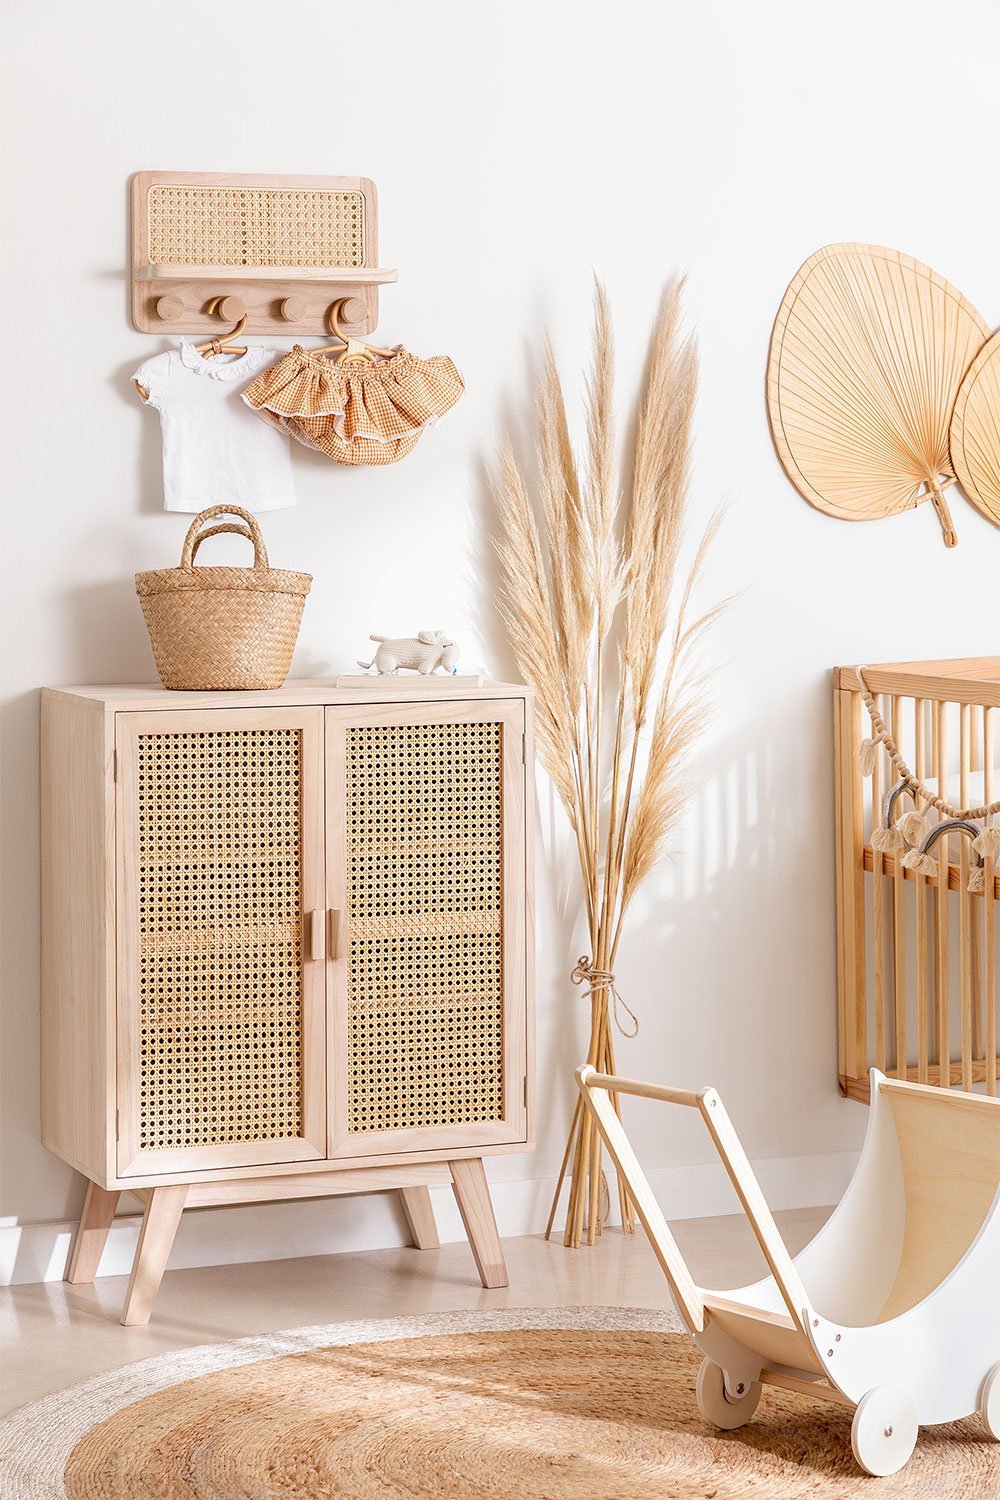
{"points": [[515, 148]]}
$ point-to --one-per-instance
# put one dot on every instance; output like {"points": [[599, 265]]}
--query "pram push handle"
{"points": [[595, 1088]]}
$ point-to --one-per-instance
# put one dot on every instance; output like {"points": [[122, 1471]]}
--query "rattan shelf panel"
{"points": [[214, 223], [426, 1063], [286, 247], [424, 847], [220, 963]]}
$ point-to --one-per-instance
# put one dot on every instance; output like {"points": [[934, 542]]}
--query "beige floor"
{"points": [[52, 1335]]}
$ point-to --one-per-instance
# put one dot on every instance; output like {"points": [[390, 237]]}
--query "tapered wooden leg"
{"points": [[420, 1220], [474, 1203], [91, 1235], [416, 1203], [160, 1219]]}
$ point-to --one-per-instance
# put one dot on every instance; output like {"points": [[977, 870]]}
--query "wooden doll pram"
{"points": [[893, 1308]]}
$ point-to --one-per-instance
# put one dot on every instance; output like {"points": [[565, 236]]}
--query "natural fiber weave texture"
{"points": [[219, 894], [223, 628], [867, 355], [356, 412], [557, 1402], [424, 835], [253, 226], [539, 1413], [975, 431]]}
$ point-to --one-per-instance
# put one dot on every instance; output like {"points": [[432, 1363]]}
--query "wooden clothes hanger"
{"points": [[350, 349], [223, 345]]}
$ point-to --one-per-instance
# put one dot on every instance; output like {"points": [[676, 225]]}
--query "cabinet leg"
{"points": [[160, 1219], [416, 1203], [91, 1235], [473, 1194]]}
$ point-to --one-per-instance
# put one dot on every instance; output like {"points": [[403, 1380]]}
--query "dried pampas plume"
{"points": [[591, 589]]}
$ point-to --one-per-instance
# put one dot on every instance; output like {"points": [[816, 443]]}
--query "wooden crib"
{"points": [[917, 948]]}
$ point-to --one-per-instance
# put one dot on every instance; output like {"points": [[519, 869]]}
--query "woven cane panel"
{"points": [[220, 993], [229, 226], [425, 892]]}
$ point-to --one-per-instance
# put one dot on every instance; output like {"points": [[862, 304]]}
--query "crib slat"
{"points": [[923, 1051], [975, 738], [967, 1007], [941, 1006], [878, 906], [852, 961], [976, 966], [898, 924], [990, 994]]}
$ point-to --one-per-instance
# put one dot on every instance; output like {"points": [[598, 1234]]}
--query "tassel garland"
{"points": [[888, 840], [867, 751], [923, 864], [914, 827]]}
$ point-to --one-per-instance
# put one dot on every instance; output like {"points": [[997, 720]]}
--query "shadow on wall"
{"points": [[103, 625], [728, 956], [711, 939], [105, 640], [149, 476]]}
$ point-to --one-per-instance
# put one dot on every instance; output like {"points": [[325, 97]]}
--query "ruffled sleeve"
{"points": [[154, 375]]}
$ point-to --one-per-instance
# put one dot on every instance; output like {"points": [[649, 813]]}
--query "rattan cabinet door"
{"points": [[221, 1007], [425, 885]]}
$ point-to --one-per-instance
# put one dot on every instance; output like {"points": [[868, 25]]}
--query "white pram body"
{"points": [[894, 1307]]}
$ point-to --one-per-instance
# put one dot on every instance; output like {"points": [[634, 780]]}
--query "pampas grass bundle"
{"points": [[591, 591]]}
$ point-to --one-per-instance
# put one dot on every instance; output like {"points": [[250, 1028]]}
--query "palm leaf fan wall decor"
{"points": [[975, 431], [868, 352]]}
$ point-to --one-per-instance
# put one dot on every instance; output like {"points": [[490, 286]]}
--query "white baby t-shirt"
{"points": [[216, 450]]}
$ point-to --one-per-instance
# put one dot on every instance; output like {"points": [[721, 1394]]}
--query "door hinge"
{"points": [[114, 764], [525, 1090], [118, 1116], [524, 749]]}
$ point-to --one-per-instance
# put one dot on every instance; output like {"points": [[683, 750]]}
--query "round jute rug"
{"points": [[586, 1403]]}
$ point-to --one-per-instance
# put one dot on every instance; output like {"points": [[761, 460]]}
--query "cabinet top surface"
{"points": [[119, 697]]}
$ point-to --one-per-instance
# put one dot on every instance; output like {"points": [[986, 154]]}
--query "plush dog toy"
{"points": [[424, 653]]}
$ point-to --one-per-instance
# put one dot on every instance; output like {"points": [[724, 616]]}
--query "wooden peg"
{"points": [[229, 308], [352, 310], [295, 309], [169, 308]]}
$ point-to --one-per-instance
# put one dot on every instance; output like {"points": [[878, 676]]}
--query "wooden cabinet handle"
{"points": [[334, 931], [312, 936]]}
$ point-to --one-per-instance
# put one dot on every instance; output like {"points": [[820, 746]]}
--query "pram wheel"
{"points": [[714, 1404], [989, 1403], [884, 1431]]}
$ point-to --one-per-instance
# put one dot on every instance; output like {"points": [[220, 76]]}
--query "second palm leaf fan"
{"points": [[975, 431], [868, 352]]}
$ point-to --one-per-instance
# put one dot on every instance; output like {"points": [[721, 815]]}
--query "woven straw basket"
{"points": [[223, 627]]}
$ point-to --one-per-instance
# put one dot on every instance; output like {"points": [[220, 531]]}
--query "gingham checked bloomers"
{"points": [[356, 412]]}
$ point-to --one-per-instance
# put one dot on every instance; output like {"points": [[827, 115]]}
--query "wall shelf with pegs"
{"points": [[280, 250]]}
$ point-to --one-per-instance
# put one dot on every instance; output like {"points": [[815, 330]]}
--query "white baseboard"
{"points": [[329, 1226]]}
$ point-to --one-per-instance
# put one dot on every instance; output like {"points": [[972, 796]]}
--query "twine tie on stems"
{"points": [[584, 972]]}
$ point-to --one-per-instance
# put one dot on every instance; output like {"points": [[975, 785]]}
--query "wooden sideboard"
{"points": [[287, 950]]}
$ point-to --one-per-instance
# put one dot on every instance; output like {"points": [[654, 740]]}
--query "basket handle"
{"points": [[250, 529]]}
